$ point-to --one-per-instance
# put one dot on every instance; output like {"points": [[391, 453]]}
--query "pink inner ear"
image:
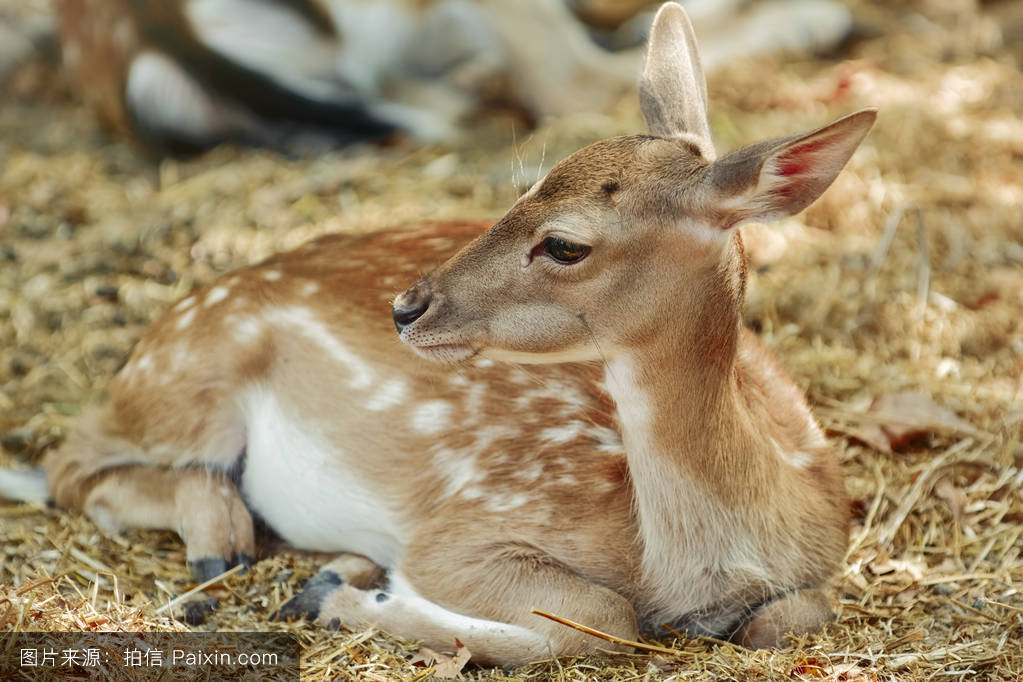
{"points": [[797, 160]]}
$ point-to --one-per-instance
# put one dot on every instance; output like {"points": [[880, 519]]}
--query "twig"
{"points": [[923, 273], [890, 226], [672, 630], [89, 561], [199, 588], [29, 588], [610, 638], [967, 607], [918, 489], [914, 636], [871, 513]]}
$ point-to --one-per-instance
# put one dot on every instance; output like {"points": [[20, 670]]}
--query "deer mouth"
{"points": [[448, 353]]}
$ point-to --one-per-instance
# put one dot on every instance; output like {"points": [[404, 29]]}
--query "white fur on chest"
{"points": [[693, 548], [300, 484]]}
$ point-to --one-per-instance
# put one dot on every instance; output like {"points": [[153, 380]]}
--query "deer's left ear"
{"points": [[781, 177], [672, 89]]}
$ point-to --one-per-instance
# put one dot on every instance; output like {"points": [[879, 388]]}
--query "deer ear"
{"points": [[672, 90], [781, 177]]}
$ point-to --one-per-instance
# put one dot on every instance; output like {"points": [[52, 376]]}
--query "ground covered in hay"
{"points": [[896, 301]]}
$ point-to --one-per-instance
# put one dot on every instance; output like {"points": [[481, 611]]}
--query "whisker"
{"points": [[600, 351], [543, 157]]}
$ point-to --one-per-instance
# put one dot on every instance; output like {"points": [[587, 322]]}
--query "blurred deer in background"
{"points": [[652, 463], [299, 74]]}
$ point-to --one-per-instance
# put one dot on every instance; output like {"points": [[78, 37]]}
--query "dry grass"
{"points": [[906, 276]]}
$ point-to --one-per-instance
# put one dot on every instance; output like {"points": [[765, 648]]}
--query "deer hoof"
{"points": [[306, 604]]}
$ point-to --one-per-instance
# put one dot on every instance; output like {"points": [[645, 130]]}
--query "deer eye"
{"points": [[565, 252]]}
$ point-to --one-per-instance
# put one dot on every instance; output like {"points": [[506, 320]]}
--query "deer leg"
{"points": [[486, 605], [354, 570], [797, 612], [202, 506], [123, 467]]}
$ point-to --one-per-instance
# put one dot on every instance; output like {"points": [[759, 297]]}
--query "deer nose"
{"points": [[410, 306]]}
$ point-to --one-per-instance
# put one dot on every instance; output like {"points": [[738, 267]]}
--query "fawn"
{"points": [[577, 420], [179, 75]]}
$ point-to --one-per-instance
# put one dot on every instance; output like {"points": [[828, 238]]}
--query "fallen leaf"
{"points": [[812, 668], [444, 666], [903, 571], [895, 419], [809, 667]]}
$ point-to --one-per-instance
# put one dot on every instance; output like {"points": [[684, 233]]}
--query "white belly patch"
{"points": [[300, 484]]}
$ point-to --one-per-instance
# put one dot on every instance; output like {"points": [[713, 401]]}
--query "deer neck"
{"points": [[693, 456]]}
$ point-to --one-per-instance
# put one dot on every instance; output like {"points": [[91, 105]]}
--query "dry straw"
{"points": [[905, 278]]}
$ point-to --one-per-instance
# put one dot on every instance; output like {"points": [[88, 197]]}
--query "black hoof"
{"points": [[246, 562], [208, 568], [196, 612], [306, 604]]}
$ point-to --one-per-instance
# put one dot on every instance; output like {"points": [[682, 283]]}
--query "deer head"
{"points": [[626, 236]]}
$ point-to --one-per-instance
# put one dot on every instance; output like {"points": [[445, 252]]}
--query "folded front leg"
{"points": [[490, 611]]}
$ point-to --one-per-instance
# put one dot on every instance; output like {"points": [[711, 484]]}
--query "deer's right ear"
{"points": [[672, 90], [781, 177]]}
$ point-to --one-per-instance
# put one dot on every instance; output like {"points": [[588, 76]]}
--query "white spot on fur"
{"points": [[608, 440], [473, 405], [794, 458], [309, 288], [302, 320], [431, 417], [216, 295], [572, 400], [457, 469], [390, 394], [178, 360], [144, 363], [484, 362], [473, 494], [186, 318], [504, 503], [184, 303], [272, 275], [247, 330], [531, 473], [486, 436], [562, 434]]}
